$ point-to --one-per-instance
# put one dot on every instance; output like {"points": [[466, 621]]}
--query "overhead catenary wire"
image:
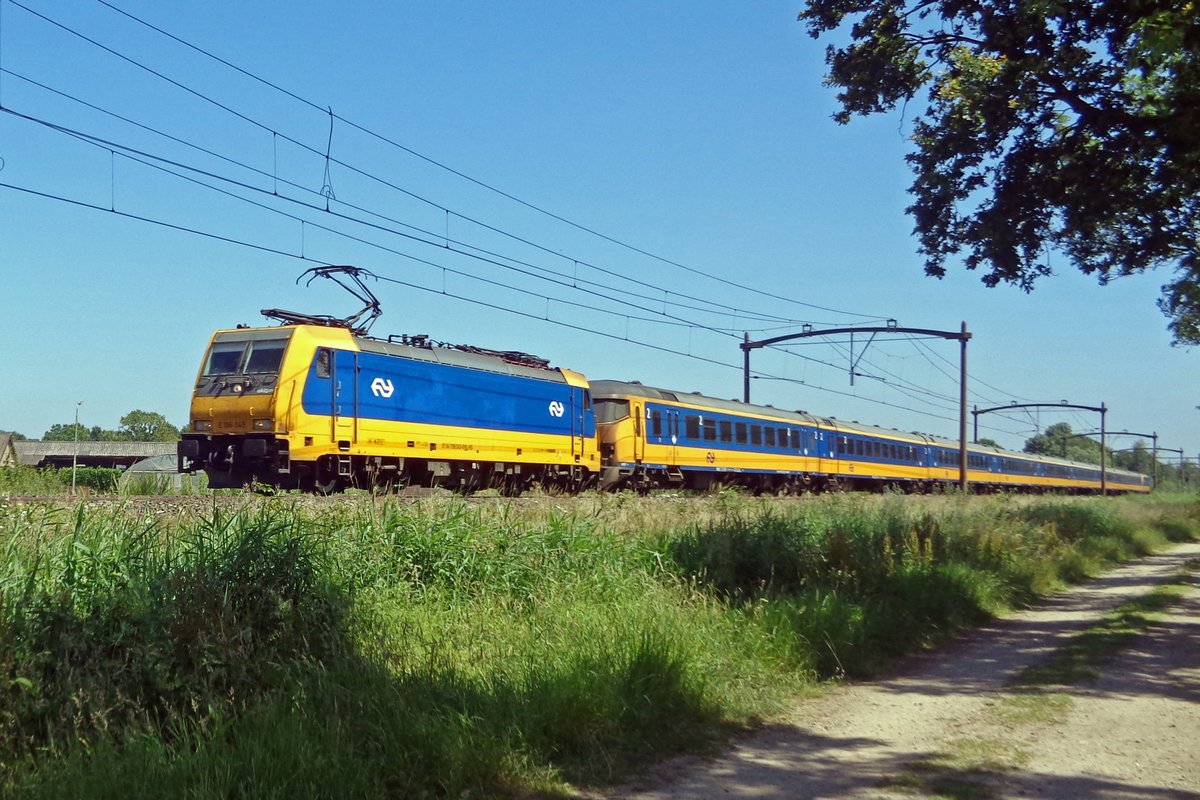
{"points": [[449, 212], [475, 301], [482, 184], [432, 238], [141, 157], [359, 171]]}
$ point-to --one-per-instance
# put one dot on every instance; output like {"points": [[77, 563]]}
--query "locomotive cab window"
{"points": [[245, 356], [324, 363], [265, 356], [224, 358]]}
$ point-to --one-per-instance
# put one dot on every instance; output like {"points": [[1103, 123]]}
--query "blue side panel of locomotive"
{"points": [[395, 389]]}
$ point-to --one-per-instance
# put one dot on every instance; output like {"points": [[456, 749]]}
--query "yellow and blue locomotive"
{"points": [[320, 407]]}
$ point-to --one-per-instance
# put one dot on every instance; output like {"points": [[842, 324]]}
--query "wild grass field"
{"points": [[366, 647]]}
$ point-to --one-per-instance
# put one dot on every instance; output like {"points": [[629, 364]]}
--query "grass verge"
{"points": [[368, 647]]}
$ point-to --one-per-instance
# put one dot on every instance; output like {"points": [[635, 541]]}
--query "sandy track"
{"points": [[941, 724]]}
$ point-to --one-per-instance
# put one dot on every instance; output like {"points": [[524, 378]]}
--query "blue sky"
{"points": [[697, 139]]}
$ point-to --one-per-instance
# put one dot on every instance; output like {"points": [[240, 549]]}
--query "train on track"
{"points": [[318, 405]]}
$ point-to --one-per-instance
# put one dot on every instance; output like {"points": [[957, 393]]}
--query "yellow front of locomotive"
{"points": [[245, 406]]}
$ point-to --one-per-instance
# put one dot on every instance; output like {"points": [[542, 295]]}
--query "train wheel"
{"points": [[327, 486]]}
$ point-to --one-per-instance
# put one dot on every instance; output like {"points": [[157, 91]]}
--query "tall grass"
{"points": [[368, 648], [859, 580]]}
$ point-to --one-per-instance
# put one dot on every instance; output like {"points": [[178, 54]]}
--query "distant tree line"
{"points": [[136, 426], [1060, 441]]}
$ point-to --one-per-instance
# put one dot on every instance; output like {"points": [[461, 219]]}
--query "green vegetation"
{"points": [[1059, 127], [26, 481], [445, 648], [29, 481], [136, 426]]}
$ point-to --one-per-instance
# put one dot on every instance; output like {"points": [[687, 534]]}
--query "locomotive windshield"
{"points": [[239, 356]]}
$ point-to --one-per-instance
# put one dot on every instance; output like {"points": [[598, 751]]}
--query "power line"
{"points": [[464, 176], [433, 238], [276, 251], [358, 171], [443, 267], [141, 156]]}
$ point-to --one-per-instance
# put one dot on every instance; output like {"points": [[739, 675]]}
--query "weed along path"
{"points": [[1095, 694]]}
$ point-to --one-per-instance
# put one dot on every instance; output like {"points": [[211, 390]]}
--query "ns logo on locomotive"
{"points": [[315, 403]]}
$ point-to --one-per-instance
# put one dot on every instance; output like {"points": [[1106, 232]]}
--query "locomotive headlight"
{"points": [[263, 425], [202, 425]]}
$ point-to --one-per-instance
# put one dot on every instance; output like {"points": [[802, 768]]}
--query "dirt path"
{"points": [[946, 725]]}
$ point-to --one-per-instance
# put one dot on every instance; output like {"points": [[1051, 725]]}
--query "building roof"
{"points": [[37, 454], [8, 455]]}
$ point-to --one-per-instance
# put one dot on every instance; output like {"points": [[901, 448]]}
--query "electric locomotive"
{"points": [[319, 407]]}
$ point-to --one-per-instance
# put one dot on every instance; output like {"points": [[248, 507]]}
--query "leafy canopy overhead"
{"points": [[1049, 125]]}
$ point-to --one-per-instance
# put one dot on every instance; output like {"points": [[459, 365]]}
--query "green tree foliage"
{"points": [[1138, 458], [986, 442], [1048, 124], [66, 433], [1059, 441], [136, 426], [148, 426]]}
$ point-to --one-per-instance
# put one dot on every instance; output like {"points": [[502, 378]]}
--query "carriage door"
{"points": [[641, 423], [580, 401], [672, 434], [345, 395]]}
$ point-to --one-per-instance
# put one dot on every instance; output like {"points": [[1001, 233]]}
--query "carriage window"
{"points": [[798, 439], [756, 434], [655, 422], [607, 409], [692, 425], [841, 441], [740, 431], [726, 431], [770, 436], [710, 430]]}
